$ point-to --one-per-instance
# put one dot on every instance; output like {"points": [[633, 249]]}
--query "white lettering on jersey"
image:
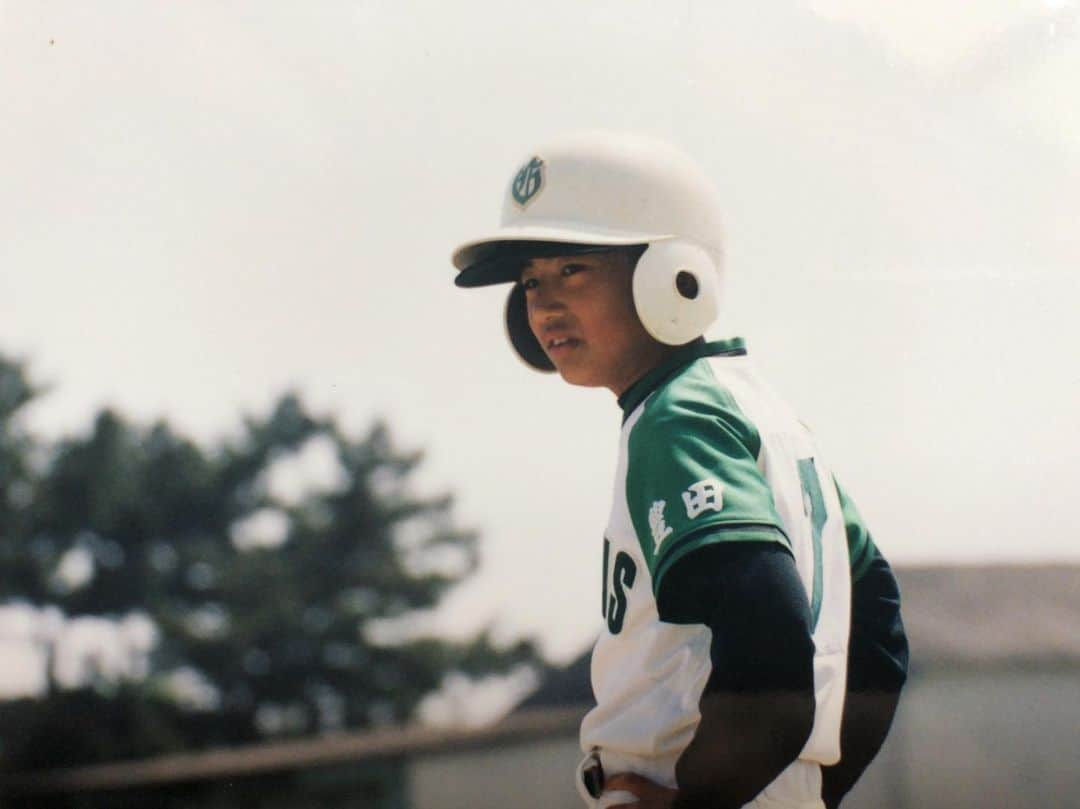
{"points": [[703, 496], [660, 529]]}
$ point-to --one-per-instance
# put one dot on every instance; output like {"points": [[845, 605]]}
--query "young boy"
{"points": [[752, 650]]}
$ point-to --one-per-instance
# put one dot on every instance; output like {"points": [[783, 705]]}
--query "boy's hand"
{"points": [[650, 795]]}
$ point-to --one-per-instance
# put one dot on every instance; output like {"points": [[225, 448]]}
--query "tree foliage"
{"points": [[286, 634]]}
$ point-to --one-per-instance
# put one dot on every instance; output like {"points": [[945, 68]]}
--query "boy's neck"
{"points": [[656, 354]]}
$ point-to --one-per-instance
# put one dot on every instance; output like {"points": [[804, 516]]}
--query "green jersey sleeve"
{"points": [[860, 543], [692, 476]]}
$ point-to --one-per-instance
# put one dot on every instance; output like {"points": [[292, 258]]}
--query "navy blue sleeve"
{"points": [[757, 709], [877, 670], [878, 649], [750, 595]]}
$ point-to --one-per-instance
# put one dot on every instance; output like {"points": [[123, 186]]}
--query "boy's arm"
{"points": [[757, 709], [877, 670], [718, 557]]}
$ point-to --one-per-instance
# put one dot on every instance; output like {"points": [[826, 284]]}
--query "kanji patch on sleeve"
{"points": [[692, 475]]}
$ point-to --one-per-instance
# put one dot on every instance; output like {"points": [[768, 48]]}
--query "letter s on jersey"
{"points": [[623, 573]]}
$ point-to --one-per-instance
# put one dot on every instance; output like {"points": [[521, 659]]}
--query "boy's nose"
{"points": [[545, 299]]}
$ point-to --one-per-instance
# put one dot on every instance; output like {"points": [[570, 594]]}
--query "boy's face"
{"points": [[581, 309]]}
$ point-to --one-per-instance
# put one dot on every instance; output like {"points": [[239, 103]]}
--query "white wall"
{"points": [[961, 740], [535, 774], [975, 740]]}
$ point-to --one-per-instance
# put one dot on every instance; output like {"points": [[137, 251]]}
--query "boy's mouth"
{"points": [[559, 344]]}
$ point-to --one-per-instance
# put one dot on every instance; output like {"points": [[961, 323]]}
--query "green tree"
{"points": [[21, 568], [271, 637]]}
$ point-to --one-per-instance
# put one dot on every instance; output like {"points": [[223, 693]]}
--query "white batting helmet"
{"points": [[594, 191]]}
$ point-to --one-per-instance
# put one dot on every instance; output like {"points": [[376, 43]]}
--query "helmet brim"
{"points": [[497, 259]]}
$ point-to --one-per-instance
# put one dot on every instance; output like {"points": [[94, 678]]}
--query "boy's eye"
{"points": [[571, 269], [529, 283]]}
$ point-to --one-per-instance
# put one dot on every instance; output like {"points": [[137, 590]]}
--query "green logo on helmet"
{"points": [[528, 182]]}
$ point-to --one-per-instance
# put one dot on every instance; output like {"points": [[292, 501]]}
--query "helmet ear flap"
{"points": [[520, 334], [676, 289]]}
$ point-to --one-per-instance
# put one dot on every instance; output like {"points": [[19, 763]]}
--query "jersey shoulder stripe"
{"points": [[692, 474], [860, 543]]}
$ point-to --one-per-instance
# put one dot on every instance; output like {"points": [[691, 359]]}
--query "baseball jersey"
{"points": [[708, 453]]}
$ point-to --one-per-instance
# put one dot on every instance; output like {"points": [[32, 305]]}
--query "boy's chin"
{"points": [[578, 376]]}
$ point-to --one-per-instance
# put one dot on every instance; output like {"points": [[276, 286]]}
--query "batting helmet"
{"points": [[594, 191]]}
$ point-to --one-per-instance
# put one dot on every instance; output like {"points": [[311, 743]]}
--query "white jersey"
{"points": [[708, 454]]}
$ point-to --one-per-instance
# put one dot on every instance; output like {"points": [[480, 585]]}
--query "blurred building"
{"points": [[991, 717]]}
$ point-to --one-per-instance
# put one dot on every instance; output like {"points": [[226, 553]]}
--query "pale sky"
{"points": [[203, 204]]}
